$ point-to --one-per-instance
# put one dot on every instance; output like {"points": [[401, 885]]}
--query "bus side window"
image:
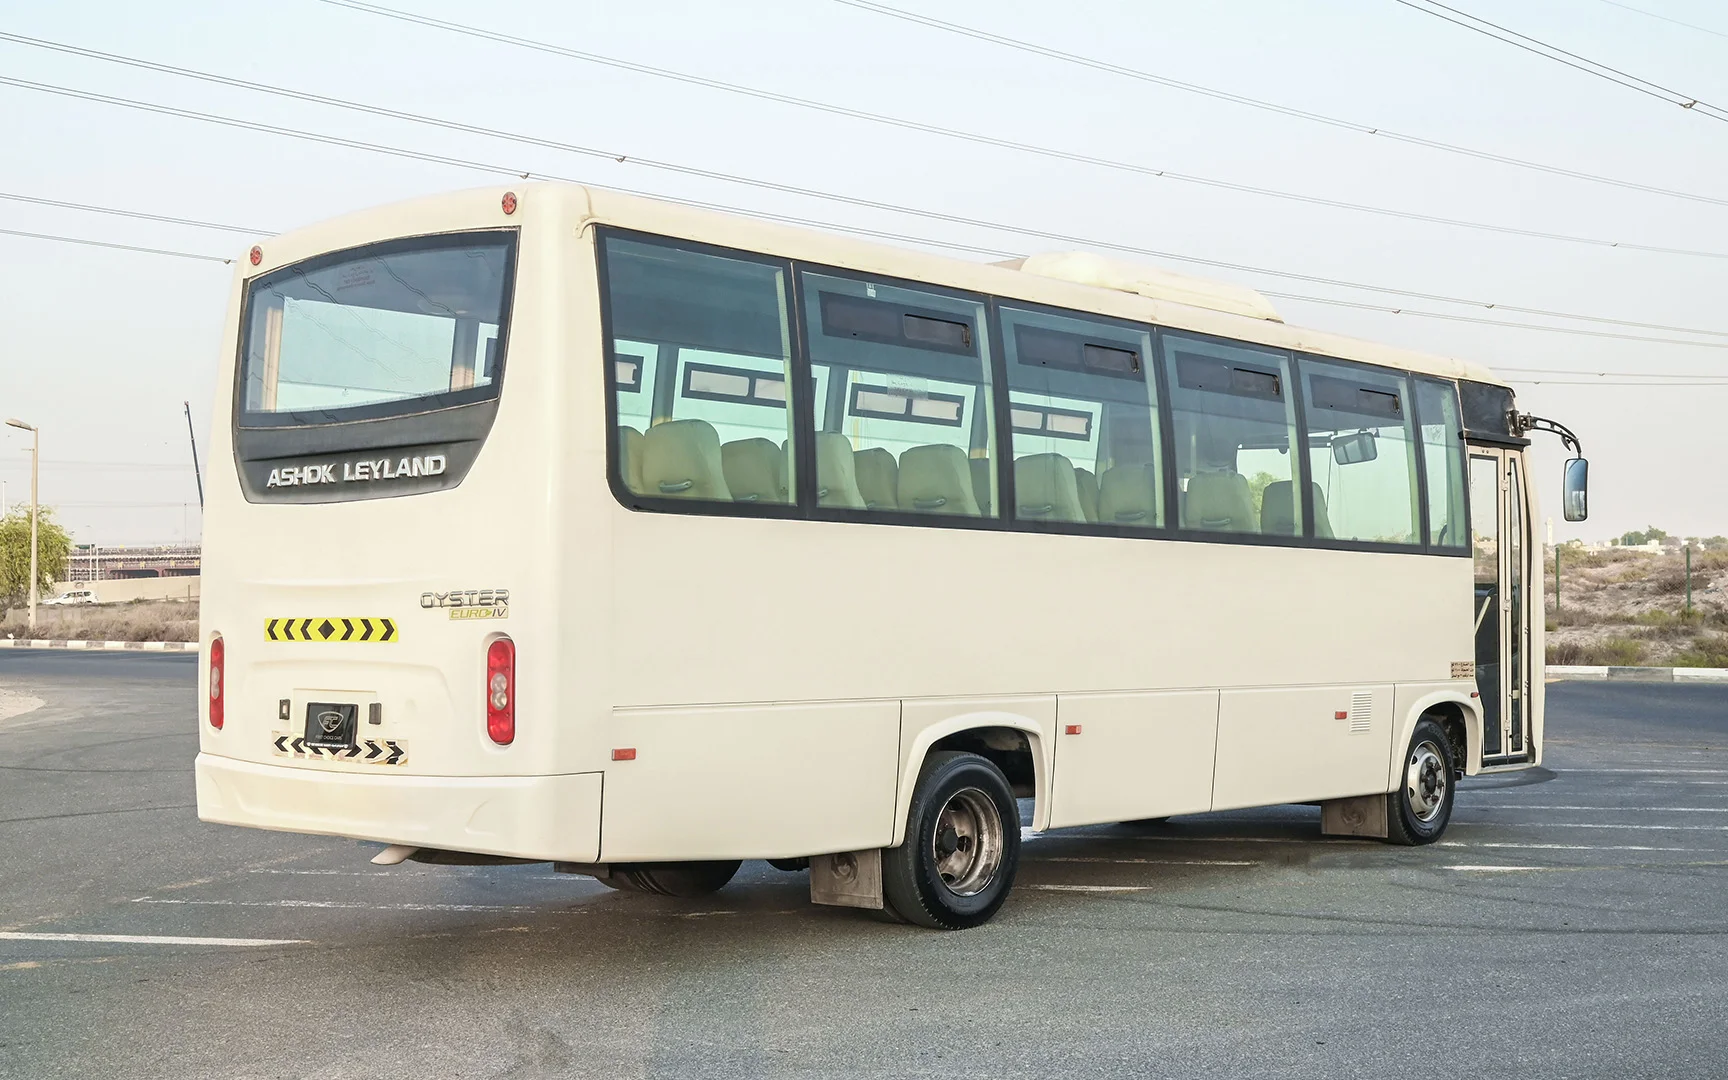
{"points": [[701, 364], [901, 377], [1361, 452], [1083, 419], [1234, 419], [1443, 462]]}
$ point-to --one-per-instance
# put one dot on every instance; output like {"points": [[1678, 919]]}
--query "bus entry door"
{"points": [[1501, 555]]}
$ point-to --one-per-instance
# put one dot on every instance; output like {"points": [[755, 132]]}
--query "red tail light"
{"points": [[501, 691], [217, 679]]}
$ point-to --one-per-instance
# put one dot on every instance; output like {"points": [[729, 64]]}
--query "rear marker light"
{"points": [[509, 202], [218, 658], [501, 691], [624, 753], [1071, 729], [256, 255]]}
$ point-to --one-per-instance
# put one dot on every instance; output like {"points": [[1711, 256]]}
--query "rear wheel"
{"points": [[962, 845], [1417, 813], [682, 879]]}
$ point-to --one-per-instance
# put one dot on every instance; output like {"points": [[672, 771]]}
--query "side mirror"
{"points": [[1575, 490], [1352, 449]]}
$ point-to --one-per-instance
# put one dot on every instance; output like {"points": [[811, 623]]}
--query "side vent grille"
{"points": [[1361, 712]]}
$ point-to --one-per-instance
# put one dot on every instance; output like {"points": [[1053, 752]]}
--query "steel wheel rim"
{"points": [[967, 843], [1426, 782]]}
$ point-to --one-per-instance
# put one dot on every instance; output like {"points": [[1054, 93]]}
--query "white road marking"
{"points": [[1652, 772], [356, 905], [1147, 862], [1565, 847], [1603, 809], [151, 939], [1495, 869], [1087, 888], [1593, 825]]}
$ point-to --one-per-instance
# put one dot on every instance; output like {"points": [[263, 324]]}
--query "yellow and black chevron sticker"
{"points": [[330, 629]]}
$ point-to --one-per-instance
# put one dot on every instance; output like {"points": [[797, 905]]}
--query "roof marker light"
{"points": [[256, 255], [509, 202]]}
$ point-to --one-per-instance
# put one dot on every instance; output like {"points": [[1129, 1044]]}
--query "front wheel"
{"points": [[1417, 813], [962, 845]]}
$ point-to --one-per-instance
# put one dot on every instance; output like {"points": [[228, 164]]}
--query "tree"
{"points": [[53, 551], [1650, 535]]}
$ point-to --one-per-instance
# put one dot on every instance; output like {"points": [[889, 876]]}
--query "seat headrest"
{"points": [[1128, 495], [1219, 502], [1045, 489], [878, 476], [681, 460], [836, 478], [936, 479], [754, 471]]}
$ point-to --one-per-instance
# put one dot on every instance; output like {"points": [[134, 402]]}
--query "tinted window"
{"points": [[902, 390], [701, 365], [1443, 462], [1083, 420], [1233, 416], [1361, 453]]}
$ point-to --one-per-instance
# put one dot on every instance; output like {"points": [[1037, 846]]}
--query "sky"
{"points": [[103, 346]]}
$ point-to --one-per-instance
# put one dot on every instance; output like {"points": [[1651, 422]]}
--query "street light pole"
{"points": [[35, 468]]}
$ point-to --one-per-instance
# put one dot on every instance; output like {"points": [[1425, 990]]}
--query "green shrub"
{"points": [[1613, 652]]}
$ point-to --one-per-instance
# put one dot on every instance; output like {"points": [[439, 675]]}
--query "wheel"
{"points": [[962, 845], [1418, 811], [682, 879]]}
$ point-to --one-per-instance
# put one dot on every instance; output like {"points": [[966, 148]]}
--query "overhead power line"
{"points": [[1041, 234], [1269, 106], [1448, 317], [117, 247], [132, 214], [1664, 18], [1612, 374], [860, 114], [1561, 56]]}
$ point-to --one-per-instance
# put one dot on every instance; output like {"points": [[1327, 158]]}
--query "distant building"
{"points": [[92, 562]]}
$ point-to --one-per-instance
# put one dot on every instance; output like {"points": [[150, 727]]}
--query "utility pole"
{"points": [[35, 507], [191, 435]]}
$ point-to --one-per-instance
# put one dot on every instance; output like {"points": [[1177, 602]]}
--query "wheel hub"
{"points": [[1426, 782], [967, 843]]}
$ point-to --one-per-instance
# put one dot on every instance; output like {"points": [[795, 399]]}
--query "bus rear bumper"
{"points": [[553, 818]]}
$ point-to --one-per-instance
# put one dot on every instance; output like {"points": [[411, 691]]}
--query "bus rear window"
{"points": [[404, 326]]}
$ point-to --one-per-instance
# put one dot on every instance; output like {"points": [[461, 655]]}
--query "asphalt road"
{"points": [[1573, 924]]}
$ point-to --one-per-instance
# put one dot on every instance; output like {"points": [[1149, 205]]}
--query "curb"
{"points": [[113, 646], [1641, 674]]}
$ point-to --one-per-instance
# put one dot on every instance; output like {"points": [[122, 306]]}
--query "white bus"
{"points": [[558, 525]]}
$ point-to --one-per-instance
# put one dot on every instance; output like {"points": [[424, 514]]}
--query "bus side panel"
{"points": [[1134, 756], [751, 781], [1302, 744]]}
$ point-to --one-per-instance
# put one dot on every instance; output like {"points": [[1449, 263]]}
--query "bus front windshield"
{"points": [[397, 327]]}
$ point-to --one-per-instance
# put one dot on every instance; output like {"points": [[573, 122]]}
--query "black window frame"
{"points": [[245, 420], [801, 400]]}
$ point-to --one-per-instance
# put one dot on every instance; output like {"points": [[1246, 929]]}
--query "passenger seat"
{"points": [[836, 477], [878, 477], [1086, 482], [681, 460], [1220, 502], [630, 458], [936, 479], [1045, 489], [981, 483], [754, 470], [1128, 495], [1278, 514]]}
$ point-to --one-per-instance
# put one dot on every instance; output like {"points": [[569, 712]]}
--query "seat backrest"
{"points": [[1128, 495], [753, 470], [630, 458], [981, 482], [681, 460], [1045, 489], [878, 476], [1278, 515], [1087, 484], [836, 478], [936, 479], [1219, 502]]}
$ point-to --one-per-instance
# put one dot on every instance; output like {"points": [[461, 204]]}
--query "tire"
{"points": [[686, 880], [962, 845], [1419, 810]]}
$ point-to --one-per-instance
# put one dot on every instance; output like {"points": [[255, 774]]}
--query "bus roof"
{"points": [[1079, 280]]}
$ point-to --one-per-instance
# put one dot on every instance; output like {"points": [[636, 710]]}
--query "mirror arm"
{"points": [[1526, 422]]}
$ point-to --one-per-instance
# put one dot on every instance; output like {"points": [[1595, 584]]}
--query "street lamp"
{"points": [[35, 463]]}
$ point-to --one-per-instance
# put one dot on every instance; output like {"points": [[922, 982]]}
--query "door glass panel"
{"points": [[1485, 543], [1515, 594]]}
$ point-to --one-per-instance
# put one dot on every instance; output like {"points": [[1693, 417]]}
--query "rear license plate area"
{"points": [[330, 724]]}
